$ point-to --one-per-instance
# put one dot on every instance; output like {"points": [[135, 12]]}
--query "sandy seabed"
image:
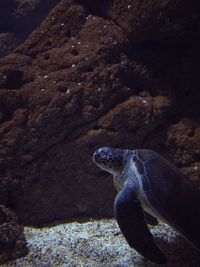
{"points": [[99, 243]]}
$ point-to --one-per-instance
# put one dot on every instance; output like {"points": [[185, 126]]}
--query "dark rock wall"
{"points": [[117, 73], [12, 240], [18, 18]]}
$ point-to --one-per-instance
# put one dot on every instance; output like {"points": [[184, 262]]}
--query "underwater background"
{"points": [[77, 75]]}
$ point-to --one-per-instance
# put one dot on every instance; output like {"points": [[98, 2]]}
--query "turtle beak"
{"points": [[96, 157]]}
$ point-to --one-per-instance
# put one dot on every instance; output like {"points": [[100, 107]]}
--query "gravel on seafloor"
{"points": [[99, 243]]}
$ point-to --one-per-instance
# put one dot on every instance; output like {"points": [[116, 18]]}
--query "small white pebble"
{"points": [[195, 168], [46, 76], [4, 76], [73, 65], [86, 58], [129, 6], [42, 89], [79, 43], [42, 32], [114, 43], [79, 84], [62, 24], [54, 82], [143, 100], [73, 46], [89, 16], [68, 91], [99, 89], [53, 18], [105, 26], [94, 18]]}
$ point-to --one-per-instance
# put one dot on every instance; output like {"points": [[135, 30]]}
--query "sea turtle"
{"points": [[148, 182]]}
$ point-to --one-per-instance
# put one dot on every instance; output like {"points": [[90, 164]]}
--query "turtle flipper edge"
{"points": [[130, 218]]}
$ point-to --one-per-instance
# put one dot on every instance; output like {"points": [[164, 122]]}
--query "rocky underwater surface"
{"points": [[76, 75], [99, 243]]}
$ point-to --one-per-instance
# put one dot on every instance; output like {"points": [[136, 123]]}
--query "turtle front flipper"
{"points": [[130, 218]]}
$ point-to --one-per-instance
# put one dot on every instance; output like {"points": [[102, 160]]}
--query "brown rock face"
{"points": [[12, 240], [18, 18], [116, 73]]}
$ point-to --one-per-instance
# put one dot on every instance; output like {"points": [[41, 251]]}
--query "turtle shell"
{"points": [[170, 193]]}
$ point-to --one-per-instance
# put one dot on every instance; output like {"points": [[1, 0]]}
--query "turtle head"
{"points": [[110, 159]]}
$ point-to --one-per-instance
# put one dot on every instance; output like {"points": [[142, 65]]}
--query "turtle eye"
{"points": [[102, 154]]}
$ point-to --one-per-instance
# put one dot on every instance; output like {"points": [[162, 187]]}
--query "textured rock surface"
{"points": [[79, 82], [12, 239], [18, 18], [117, 73], [99, 243]]}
